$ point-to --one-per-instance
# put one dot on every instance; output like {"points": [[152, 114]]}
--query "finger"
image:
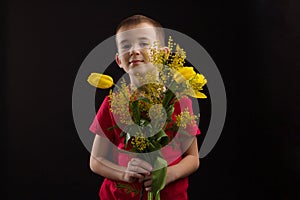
{"points": [[148, 188], [148, 183], [143, 164], [135, 175], [139, 166], [138, 169], [147, 177]]}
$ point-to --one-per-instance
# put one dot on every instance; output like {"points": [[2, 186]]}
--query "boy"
{"points": [[125, 176]]}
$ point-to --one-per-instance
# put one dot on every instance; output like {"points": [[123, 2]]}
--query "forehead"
{"points": [[132, 33]]}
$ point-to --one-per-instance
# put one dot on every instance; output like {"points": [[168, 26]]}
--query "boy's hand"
{"points": [[147, 180], [137, 169]]}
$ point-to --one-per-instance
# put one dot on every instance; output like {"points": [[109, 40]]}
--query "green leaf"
{"points": [[127, 138], [167, 98], [113, 127], [125, 130], [143, 99], [157, 141], [128, 188], [158, 177], [144, 122], [162, 138], [170, 111], [153, 145], [135, 111], [122, 134]]}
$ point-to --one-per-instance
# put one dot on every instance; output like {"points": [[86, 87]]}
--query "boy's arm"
{"points": [[100, 164], [189, 164]]}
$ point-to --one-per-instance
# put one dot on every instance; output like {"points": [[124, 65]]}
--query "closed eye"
{"points": [[144, 44], [126, 46]]}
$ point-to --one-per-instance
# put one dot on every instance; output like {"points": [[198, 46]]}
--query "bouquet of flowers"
{"points": [[151, 106]]}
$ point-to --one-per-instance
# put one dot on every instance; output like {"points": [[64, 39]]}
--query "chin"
{"points": [[140, 70]]}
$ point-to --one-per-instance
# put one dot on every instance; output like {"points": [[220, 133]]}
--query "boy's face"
{"points": [[133, 46]]}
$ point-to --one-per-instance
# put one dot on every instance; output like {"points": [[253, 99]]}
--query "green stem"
{"points": [[169, 96], [150, 196]]}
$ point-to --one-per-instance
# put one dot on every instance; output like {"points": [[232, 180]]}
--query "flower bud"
{"points": [[100, 80]]}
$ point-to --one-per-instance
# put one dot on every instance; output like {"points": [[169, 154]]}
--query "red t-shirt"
{"points": [[172, 152]]}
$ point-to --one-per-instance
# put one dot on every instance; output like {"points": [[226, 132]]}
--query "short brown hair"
{"points": [[139, 19]]}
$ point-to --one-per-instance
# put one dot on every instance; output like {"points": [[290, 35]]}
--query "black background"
{"points": [[255, 45]]}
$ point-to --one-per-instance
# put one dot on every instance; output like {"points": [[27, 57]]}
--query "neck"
{"points": [[137, 80], [135, 83]]}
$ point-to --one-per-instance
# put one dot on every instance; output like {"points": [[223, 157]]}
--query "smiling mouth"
{"points": [[135, 61]]}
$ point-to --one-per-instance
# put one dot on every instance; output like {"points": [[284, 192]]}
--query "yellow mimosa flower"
{"points": [[185, 118], [101, 81], [183, 74]]}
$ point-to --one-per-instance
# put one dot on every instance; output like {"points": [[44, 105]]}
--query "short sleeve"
{"points": [[103, 121], [181, 105]]}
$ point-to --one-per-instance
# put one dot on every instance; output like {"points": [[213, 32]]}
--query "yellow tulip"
{"points": [[197, 94], [196, 84], [184, 74], [100, 80]]}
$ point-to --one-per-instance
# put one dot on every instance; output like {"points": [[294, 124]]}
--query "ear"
{"points": [[118, 60]]}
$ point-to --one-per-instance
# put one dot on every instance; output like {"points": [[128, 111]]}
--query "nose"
{"points": [[134, 50]]}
